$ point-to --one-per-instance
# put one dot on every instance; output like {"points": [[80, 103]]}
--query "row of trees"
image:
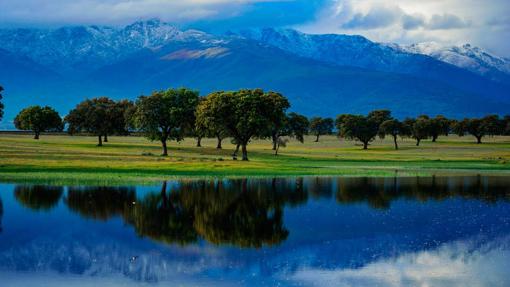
{"points": [[242, 116]]}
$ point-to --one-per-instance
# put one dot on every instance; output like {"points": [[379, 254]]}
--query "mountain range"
{"points": [[320, 74]]}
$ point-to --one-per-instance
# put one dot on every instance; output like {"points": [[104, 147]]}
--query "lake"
{"points": [[409, 231]]}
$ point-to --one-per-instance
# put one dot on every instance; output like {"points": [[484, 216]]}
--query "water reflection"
{"points": [[436, 231], [380, 192], [38, 197], [245, 213], [1, 213]]}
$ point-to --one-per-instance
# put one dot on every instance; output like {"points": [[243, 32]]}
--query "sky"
{"points": [[484, 23]]}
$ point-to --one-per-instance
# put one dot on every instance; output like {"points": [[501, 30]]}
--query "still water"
{"points": [[437, 231]]}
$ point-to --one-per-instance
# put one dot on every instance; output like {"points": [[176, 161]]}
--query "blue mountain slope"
{"points": [[314, 87], [357, 51], [321, 74]]}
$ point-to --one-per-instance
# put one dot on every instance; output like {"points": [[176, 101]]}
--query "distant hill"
{"points": [[321, 74]]}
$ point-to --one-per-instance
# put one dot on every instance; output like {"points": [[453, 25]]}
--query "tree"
{"points": [[321, 126], [1, 105], [38, 119], [477, 128], [459, 127], [494, 125], [243, 114], [119, 118], [394, 128], [419, 128], [439, 126], [298, 126], [295, 126], [506, 124], [380, 116], [166, 114], [358, 127], [207, 122], [277, 117]]}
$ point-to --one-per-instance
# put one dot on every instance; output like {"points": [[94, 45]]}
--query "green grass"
{"points": [[76, 160]]}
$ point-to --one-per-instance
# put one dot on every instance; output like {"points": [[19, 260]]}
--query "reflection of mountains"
{"points": [[246, 213]]}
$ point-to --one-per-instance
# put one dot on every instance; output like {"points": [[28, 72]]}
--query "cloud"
{"points": [[446, 21], [377, 17], [463, 263], [115, 11], [411, 22]]}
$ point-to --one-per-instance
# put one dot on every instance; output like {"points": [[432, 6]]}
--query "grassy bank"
{"points": [[66, 159]]}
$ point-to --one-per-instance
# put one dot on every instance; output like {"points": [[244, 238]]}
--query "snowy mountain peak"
{"points": [[467, 56]]}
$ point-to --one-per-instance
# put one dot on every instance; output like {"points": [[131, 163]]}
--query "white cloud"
{"points": [[451, 265], [122, 11], [482, 23]]}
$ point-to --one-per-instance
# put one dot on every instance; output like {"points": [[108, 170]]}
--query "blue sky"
{"points": [[483, 23]]}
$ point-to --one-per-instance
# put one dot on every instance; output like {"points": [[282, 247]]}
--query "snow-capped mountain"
{"points": [[348, 50], [84, 48], [321, 74], [468, 57]]}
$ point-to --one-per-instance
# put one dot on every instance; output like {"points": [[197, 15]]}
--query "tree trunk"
{"points": [[277, 147], [199, 141], [234, 155], [395, 141], [245, 152], [418, 142], [365, 145], [165, 150], [105, 138], [36, 136], [218, 146], [317, 139], [434, 138], [100, 140], [478, 139], [275, 140]]}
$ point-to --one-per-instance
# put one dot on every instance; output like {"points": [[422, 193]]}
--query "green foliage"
{"points": [[394, 128], [297, 126], [439, 125], [38, 119], [361, 128], [243, 114], [419, 128], [379, 116], [165, 115], [321, 126]]}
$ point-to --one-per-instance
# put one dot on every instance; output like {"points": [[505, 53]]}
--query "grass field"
{"points": [[76, 160]]}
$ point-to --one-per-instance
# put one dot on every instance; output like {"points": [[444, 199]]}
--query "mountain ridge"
{"points": [[351, 73]]}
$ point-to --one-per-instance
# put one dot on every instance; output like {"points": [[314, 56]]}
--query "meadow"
{"points": [[62, 159]]}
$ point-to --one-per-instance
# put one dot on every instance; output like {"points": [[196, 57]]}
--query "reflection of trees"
{"points": [[100, 202], [161, 216], [38, 197], [241, 212], [247, 213], [379, 192]]}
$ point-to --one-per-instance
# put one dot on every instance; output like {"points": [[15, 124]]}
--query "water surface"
{"points": [[437, 231]]}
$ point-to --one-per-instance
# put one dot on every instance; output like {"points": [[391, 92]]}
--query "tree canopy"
{"points": [[358, 127], [321, 126], [243, 114], [394, 128], [38, 119], [98, 116], [165, 115]]}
